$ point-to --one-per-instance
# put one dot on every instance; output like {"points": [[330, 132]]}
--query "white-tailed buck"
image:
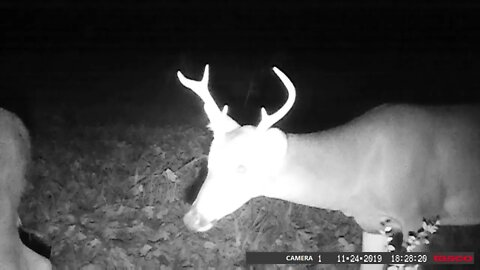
{"points": [[14, 156], [396, 164]]}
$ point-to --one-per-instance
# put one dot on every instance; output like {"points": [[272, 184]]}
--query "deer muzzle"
{"points": [[195, 221]]}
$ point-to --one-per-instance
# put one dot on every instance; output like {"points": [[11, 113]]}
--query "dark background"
{"points": [[118, 61]]}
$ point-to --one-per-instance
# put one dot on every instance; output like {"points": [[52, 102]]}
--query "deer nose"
{"points": [[195, 221]]}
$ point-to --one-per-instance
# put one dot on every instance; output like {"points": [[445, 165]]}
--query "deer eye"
{"points": [[241, 169]]}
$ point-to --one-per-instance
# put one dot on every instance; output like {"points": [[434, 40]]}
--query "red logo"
{"points": [[453, 258]]}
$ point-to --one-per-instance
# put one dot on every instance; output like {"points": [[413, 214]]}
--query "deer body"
{"points": [[396, 164], [14, 156], [371, 167]]}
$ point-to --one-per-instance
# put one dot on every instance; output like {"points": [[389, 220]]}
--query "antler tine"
{"points": [[220, 122], [269, 120], [201, 89]]}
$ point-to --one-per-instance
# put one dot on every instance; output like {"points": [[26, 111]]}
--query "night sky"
{"points": [[344, 57]]}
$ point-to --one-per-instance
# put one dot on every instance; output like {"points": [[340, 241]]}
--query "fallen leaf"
{"points": [[170, 175]]}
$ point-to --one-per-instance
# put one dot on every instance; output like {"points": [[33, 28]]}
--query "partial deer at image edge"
{"points": [[14, 159]]}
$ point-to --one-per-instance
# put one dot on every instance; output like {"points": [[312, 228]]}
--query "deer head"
{"points": [[243, 160]]}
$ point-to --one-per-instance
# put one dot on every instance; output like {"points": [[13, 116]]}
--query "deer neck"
{"points": [[319, 170]]}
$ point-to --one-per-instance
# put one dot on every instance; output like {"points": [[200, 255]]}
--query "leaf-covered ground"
{"points": [[113, 197]]}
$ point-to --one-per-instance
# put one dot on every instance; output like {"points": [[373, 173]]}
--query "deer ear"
{"points": [[222, 123], [275, 142], [222, 126]]}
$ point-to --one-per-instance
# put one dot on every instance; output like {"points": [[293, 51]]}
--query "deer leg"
{"points": [[373, 243]]}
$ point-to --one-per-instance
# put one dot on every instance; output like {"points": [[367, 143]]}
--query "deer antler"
{"points": [[219, 120], [269, 120]]}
